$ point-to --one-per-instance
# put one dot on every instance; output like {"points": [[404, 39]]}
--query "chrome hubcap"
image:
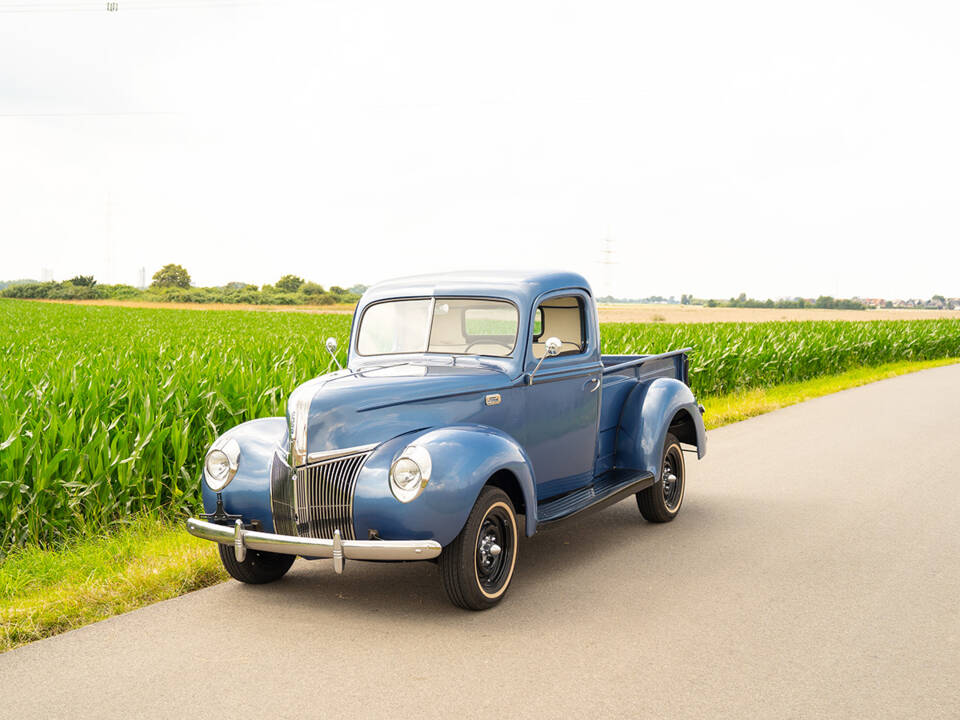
{"points": [[489, 549]]}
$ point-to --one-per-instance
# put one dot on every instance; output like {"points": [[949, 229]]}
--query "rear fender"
{"points": [[645, 419], [464, 457]]}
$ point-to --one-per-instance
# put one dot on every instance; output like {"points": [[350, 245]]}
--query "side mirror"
{"points": [[332, 349], [551, 349]]}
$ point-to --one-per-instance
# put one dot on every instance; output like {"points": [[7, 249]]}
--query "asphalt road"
{"points": [[814, 571]]}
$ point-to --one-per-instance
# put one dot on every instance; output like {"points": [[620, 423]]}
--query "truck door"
{"points": [[563, 403]]}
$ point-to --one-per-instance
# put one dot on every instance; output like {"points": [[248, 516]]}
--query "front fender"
{"points": [[645, 419], [464, 457], [248, 494]]}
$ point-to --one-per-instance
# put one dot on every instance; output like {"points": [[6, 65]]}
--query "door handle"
{"points": [[596, 384]]}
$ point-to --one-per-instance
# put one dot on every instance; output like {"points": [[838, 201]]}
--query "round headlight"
{"points": [[410, 473], [218, 469]]}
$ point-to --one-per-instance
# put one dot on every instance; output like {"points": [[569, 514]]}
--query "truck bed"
{"points": [[673, 364]]}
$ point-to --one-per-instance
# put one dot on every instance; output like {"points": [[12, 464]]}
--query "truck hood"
{"points": [[352, 408]]}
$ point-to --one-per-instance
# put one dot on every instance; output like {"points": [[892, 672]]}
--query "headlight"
{"points": [[410, 473], [221, 464]]}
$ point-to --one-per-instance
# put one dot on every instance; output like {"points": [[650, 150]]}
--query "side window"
{"points": [[563, 318]]}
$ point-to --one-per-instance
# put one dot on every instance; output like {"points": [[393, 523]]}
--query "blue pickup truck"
{"points": [[468, 400]]}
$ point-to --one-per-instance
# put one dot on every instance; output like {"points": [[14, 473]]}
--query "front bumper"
{"points": [[337, 548]]}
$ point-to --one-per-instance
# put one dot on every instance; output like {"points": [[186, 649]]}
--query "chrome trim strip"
{"points": [[331, 454], [298, 441], [314, 547]]}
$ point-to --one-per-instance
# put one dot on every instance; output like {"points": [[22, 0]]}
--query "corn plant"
{"points": [[106, 412]]}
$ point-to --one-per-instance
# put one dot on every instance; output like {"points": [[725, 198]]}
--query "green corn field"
{"points": [[728, 357], [106, 412]]}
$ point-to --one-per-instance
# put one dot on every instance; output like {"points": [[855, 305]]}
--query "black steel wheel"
{"points": [[661, 501], [257, 567], [476, 568]]}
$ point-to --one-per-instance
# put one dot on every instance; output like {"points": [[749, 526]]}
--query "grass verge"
{"points": [[44, 592], [726, 409]]}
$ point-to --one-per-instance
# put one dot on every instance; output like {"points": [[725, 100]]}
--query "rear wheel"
{"points": [[477, 566], [661, 501], [258, 567]]}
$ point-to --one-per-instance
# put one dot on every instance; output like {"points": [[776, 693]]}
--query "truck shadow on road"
{"points": [[572, 557]]}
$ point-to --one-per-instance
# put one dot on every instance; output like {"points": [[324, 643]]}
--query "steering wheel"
{"points": [[487, 342]]}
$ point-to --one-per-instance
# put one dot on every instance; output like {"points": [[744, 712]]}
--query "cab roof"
{"points": [[523, 287]]}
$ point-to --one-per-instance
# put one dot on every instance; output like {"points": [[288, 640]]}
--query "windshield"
{"points": [[452, 326]]}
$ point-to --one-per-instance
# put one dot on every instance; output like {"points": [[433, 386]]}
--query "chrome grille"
{"points": [[281, 497], [324, 496]]}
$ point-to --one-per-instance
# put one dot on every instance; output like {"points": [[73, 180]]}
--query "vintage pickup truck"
{"points": [[468, 399]]}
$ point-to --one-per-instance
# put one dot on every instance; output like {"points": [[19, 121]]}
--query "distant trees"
{"points": [[289, 283], [171, 276], [172, 283], [829, 303], [823, 302]]}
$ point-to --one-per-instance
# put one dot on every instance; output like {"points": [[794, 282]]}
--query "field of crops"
{"points": [[105, 412]]}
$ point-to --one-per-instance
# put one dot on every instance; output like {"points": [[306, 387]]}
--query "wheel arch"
{"points": [[651, 411], [465, 459], [685, 429], [508, 482]]}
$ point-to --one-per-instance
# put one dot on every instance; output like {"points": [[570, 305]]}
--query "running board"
{"points": [[610, 488]]}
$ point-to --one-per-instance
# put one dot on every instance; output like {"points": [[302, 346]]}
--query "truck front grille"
{"points": [[324, 496]]}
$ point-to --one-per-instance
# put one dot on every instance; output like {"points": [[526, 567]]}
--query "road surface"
{"points": [[814, 571]]}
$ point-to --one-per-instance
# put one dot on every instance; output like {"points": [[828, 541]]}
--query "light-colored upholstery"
{"points": [[472, 326], [447, 331], [561, 319]]}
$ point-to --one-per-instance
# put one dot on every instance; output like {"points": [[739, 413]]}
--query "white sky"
{"points": [[731, 147]]}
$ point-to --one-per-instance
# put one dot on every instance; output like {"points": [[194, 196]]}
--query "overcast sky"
{"points": [[731, 147]]}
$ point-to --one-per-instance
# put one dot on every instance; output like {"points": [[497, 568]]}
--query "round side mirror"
{"points": [[552, 346], [331, 344]]}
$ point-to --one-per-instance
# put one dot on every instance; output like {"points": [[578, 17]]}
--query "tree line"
{"points": [[172, 283]]}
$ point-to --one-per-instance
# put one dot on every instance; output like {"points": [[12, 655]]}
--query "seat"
{"points": [[562, 318]]}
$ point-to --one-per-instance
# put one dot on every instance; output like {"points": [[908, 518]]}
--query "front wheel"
{"points": [[477, 566], [258, 567], [661, 501]]}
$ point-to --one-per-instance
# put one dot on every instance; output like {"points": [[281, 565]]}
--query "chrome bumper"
{"points": [[337, 548]]}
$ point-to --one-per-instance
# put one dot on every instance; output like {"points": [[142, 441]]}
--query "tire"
{"points": [[661, 502], [475, 577], [258, 567]]}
